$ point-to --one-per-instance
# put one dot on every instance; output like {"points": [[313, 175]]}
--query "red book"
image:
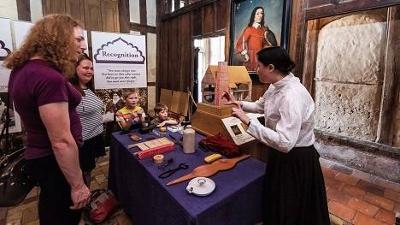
{"points": [[154, 147]]}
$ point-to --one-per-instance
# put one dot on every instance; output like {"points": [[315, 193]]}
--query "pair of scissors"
{"points": [[170, 172]]}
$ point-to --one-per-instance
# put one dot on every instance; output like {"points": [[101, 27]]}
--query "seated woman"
{"points": [[132, 113]]}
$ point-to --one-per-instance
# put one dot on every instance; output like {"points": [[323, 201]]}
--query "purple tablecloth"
{"points": [[148, 201]]}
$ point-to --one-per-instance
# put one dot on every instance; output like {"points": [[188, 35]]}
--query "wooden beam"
{"points": [[124, 16], [189, 8], [142, 28], [341, 7], [24, 10], [143, 12], [228, 33], [391, 78], [297, 35], [311, 48]]}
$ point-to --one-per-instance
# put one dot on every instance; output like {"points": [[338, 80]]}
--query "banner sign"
{"points": [[119, 60]]}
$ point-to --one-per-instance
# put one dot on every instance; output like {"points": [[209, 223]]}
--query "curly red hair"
{"points": [[51, 38]]}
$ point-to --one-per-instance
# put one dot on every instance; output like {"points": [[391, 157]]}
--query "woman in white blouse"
{"points": [[294, 189]]}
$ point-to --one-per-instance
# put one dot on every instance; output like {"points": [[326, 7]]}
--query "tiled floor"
{"points": [[354, 198]]}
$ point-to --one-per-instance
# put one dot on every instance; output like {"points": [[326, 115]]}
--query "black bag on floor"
{"points": [[15, 184]]}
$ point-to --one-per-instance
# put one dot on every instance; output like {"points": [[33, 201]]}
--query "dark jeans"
{"points": [[55, 193]]}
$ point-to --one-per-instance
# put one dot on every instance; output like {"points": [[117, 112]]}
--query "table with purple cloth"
{"points": [[237, 199]]}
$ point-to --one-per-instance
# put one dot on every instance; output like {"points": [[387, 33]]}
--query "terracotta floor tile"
{"points": [[333, 183], [379, 201], [370, 187], [387, 184], [363, 206], [386, 216], [395, 196], [362, 219], [348, 179], [354, 191], [333, 194], [353, 195], [341, 210], [329, 173]]}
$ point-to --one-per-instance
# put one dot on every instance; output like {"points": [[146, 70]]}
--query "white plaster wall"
{"points": [[151, 57], [134, 11], [8, 9], [151, 8], [36, 10], [349, 75]]}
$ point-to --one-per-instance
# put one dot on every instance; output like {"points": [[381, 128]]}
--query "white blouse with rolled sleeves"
{"points": [[289, 115]]}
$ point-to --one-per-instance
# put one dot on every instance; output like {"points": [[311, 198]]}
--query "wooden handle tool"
{"points": [[210, 169]]}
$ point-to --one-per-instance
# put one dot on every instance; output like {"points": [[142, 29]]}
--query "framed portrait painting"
{"points": [[256, 24]]}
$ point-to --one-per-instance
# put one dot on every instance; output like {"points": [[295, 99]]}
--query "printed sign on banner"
{"points": [[21, 29], [5, 49], [119, 60]]}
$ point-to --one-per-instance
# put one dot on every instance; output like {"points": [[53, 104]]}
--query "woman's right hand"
{"points": [[231, 100], [80, 197]]}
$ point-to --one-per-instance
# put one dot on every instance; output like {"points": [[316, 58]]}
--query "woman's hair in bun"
{"points": [[278, 57]]}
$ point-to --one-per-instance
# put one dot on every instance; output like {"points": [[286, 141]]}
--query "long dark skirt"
{"points": [[295, 189]]}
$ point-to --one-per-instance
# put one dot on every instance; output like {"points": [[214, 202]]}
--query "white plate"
{"points": [[201, 186]]}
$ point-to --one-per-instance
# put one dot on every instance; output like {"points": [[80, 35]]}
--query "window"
{"points": [[211, 51]]}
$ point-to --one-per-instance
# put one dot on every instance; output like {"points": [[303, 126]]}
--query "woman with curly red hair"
{"points": [[47, 102]]}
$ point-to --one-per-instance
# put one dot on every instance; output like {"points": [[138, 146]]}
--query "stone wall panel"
{"points": [[351, 49], [347, 109]]}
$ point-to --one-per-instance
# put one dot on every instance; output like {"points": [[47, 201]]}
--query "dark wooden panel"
{"points": [[163, 72], [317, 3], [297, 35], [223, 14], [53, 6], [109, 12], [186, 71], [197, 23], [341, 7], [93, 17], [76, 8], [124, 16], [143, 11], [24, 10], [208, 19], [142, 28], [311, 46], [391, 78], [198, 5], [228, 30], [173, 56]]}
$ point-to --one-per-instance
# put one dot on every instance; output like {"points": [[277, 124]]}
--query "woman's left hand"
{"points": [[239, 113]]}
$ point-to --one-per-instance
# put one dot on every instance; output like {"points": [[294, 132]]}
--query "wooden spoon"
{"points": [[210, 169]]}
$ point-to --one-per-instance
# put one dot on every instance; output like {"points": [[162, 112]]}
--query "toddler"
{"points": [[161, 118]]}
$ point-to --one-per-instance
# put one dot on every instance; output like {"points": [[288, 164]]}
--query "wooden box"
{"points": [[207, 119]]}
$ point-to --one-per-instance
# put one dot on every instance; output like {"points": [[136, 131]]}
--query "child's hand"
{"points": [[161, 124], [134, 115]]}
